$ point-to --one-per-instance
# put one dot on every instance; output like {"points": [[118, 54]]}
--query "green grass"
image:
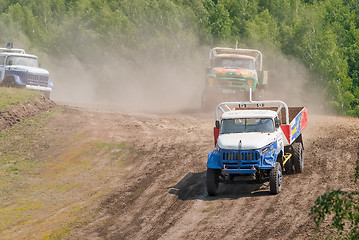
{"points": [[23, 176], [49, 177], [138, 191], [208, 208], [114, 149], [10, 97], [18, 144]]}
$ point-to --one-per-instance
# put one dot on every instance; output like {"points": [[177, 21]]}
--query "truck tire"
{"points": [[275, 179], [208, 101], [298, 160], [288, 166], [204, 102], [212, 181], [9, 82]]}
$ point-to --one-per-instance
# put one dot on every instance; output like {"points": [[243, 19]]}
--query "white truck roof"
{"points": [[235, 56], [17, 54], [249, 114]]}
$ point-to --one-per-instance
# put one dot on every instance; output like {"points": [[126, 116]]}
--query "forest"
{"points": [[322, 35]]}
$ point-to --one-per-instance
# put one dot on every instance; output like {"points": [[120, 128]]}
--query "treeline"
{"points": [[323, 35]]}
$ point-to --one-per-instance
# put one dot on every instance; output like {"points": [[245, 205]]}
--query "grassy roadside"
{"points": [[10, 97], [53, 177]]}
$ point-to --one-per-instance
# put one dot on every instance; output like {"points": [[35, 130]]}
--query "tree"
{"points": [[219, 22]]}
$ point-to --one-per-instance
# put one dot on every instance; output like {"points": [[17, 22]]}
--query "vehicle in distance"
{"points": [[233, 74], [18, 69]]}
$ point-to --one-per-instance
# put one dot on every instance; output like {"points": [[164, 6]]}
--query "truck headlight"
{"points": [[264, 150], [245, 72], [250, 82], [220, 71]]}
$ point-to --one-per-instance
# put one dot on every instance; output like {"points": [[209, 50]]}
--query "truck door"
{"points": [[278, 132]]}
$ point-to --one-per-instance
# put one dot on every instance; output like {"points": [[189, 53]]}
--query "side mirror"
{"points": [[218, 125], [276, 123], [10, 45]]}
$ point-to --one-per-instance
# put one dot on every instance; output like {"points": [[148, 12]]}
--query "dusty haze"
{"points": [[166, 84], [290, 82], [143, 84]]}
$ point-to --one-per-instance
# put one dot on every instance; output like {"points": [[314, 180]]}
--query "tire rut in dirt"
{"points": [[157, 197]]}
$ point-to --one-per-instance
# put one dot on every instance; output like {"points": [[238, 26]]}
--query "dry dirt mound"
{"points": [[20, 112]]}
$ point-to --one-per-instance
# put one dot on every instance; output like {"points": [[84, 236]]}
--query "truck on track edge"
{"points": [[256, 141], [18, 69], [233, 73]]}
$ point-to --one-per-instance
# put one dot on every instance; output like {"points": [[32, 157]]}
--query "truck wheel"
{"points": [[207, 101], [288, 166], [212, 181], [204, 103], [275, 179], [9, 82], [298, 160]]}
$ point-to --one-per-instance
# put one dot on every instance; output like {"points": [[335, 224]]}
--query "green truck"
{"points": [[233, 75]]}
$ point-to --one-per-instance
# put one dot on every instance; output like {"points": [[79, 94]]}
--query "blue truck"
{"points": [[256, 141]]}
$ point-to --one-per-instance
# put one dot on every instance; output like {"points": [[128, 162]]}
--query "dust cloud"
{"points": [[289, 81], [141, 84], [167, 84]]}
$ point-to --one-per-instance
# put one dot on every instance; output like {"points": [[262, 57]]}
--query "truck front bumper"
{"points": [[239, 171], [241, 162], [39, 88]]}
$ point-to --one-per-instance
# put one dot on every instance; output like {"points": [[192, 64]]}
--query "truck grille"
{"points": [[231, 82], [38, 80], [234, 159]]}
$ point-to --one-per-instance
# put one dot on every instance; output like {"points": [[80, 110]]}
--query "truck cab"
{"points": [[252, 132], [233, 73], [18, 69]]}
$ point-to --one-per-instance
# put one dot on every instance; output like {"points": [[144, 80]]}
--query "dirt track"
{"points": [[160, 192], [163, 194]]}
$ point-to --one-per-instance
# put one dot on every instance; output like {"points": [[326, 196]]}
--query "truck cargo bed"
{"points": [[292, 125], [298, 122], [297, 118]]}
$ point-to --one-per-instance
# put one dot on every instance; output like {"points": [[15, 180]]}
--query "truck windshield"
{"points": [[234, 63], [23, 61], [242, 125]]}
